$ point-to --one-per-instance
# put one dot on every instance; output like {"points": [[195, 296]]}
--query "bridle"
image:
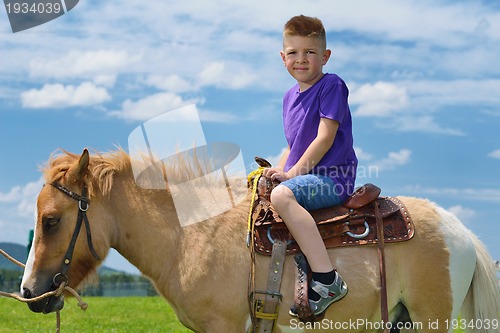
{"points": [[83, 206]]}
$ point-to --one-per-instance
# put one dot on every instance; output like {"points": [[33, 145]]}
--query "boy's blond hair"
{"points": [[305, 26]]}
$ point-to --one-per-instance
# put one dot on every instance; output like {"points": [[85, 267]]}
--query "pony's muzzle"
{"points": [[45, 305]]}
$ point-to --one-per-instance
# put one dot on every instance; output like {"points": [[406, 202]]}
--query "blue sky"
{"points": [[424, 83]]}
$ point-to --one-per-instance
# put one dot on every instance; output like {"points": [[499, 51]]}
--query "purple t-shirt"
{"points": [[302, 111]]}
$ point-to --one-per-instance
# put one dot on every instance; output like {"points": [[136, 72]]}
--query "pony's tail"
{"points": [[481, 307]]}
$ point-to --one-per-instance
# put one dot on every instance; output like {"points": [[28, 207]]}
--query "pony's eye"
{"points": [[50, 222]]}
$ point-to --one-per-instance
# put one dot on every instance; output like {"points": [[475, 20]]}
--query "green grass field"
{"points": [[110, 315]]}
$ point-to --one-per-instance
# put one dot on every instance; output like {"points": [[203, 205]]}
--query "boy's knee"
{"points": [[281, 196]]}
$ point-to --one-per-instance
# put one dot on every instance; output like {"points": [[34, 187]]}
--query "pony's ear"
{"points": [[80, 168]]}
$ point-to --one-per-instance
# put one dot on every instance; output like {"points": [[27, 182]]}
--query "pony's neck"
{"points": [[149, 235], [146, 226]]}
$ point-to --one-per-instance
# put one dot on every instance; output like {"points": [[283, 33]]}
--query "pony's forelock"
{"points": [[58, 164]]}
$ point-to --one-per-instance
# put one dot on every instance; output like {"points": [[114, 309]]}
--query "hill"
{"points": [[17, 251], [20, 253]]}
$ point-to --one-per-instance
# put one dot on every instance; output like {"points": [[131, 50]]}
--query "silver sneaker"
{"points": [[330, 294]]}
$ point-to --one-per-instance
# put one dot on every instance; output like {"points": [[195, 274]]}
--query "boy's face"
{"points": [[304, 58]]}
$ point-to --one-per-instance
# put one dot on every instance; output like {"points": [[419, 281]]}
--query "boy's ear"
{"points": [[282, 54], [326, 55]]}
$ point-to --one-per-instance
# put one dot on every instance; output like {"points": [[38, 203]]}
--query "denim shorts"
{"points": [[314, 191]]}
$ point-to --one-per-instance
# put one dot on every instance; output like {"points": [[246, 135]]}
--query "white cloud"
{"points": [[20, 193], [218, 117], [61, 96], [77, 64], [16, 229], [151, 106], [183, 50], [476, 194], [445, 23], [18, 207], [218, 74], [212, 73], [107, 81], [381, 99], [427, 97], [13, 195], [432, 94], [171, 83], [495, 154], [362, 155], [422, 124], [463, 213], [393, 160], [27, 202]]}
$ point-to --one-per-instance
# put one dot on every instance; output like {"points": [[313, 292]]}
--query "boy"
{"points": [[319, 168]]}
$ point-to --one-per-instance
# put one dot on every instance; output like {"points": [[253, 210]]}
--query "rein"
{"points": [[83, 206]]}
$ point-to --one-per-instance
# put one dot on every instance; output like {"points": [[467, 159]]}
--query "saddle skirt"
{"points": [[349, 224]]}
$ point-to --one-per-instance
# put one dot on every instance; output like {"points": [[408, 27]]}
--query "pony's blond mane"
{"points": [[102, 168]]}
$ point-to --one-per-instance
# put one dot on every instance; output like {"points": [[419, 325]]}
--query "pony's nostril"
{"points": [[27, 293]]}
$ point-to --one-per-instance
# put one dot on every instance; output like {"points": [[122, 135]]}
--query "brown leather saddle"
{"points": [[352, 223]]}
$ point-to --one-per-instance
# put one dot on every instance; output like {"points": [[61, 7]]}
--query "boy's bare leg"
{"points": [[303, 228], [326, 286]]}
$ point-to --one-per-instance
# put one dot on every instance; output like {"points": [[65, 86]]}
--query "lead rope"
{"points": [[56, 293]]}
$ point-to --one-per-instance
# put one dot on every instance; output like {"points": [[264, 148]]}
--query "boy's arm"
{"points": [[327, 130]]}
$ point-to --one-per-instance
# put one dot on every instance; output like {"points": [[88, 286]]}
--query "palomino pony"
{"points": [[202, 269]]}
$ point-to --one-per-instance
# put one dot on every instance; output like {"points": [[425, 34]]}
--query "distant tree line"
{"points": [[10, 280], [109, 284], [120, 284]]}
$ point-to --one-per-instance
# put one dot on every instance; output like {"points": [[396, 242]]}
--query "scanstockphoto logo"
{"points": [[26, 14]]}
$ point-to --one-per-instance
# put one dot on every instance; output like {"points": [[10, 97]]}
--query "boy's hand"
{"points": [[276, 174]]}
